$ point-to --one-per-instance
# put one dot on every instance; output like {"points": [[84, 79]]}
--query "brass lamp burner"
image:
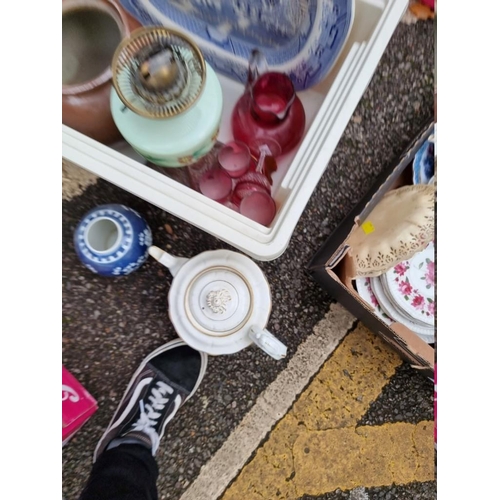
{"points": [[160, 70], [157, 72]]}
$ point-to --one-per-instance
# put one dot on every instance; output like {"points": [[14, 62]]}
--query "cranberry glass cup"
{"points": [[235, 158], [258, 206], [216, 184]]}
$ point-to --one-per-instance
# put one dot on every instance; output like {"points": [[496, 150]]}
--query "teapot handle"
{"points": [[257, 66], [267, 342], [173, 263]]}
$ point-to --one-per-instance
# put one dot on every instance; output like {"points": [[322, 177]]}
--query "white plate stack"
{"points": [[405, 293]]}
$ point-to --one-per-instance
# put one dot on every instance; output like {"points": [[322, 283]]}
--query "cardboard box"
{"points": [[77, 405], [330, 264]]}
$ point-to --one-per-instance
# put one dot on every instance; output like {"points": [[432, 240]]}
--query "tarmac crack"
{"points": [[417, 454], [292, 474]]}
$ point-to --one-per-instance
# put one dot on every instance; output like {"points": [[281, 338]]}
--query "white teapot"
{"points": [[220, 302]]}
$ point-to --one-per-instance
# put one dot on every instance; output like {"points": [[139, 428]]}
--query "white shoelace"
{"points": [[150, 412]]}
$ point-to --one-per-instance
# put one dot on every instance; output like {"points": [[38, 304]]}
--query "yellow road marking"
{"points": [[317, 448]]}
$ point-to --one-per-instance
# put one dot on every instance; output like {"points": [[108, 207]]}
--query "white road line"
{"points": [[270, 406]]}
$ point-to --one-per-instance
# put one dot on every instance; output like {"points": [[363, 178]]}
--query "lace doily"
{"points": [[400, 225]]}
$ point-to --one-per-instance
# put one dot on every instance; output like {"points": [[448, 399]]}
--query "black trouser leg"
{"points": [[127, 472]]}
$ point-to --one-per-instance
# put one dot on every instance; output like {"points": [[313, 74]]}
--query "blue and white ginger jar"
{"points": [[112, 240]]}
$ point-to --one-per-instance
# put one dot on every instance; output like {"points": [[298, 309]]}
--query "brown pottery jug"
{"points": [[91, 31]]}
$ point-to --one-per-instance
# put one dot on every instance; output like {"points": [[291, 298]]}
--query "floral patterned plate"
{"points": [[394, 304], [425, 333], [298, 37], [364, 288], [410, 285]]}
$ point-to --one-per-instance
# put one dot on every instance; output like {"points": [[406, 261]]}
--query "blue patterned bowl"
{"points": [[423, 164], [302, 38], [112, 240]]}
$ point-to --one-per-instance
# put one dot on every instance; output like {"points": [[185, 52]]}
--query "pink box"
{"points": [[77, 405]]}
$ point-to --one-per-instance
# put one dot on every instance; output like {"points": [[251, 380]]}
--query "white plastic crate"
{"points": [[329, 107]]}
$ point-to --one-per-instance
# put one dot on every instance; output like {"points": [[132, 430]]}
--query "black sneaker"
{"points": [[164, 381]]}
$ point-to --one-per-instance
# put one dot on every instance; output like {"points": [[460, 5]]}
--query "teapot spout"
{"points": [[173, 263]]}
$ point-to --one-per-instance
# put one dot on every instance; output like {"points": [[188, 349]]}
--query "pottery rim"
{"points": [[139, 32], [93, 227], [108, 7]]}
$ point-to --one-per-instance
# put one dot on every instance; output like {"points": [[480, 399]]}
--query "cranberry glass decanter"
{"points": [[269, 109]]}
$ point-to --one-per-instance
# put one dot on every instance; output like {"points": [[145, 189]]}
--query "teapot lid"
{"points": [[215, 298], [158, 72]]}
